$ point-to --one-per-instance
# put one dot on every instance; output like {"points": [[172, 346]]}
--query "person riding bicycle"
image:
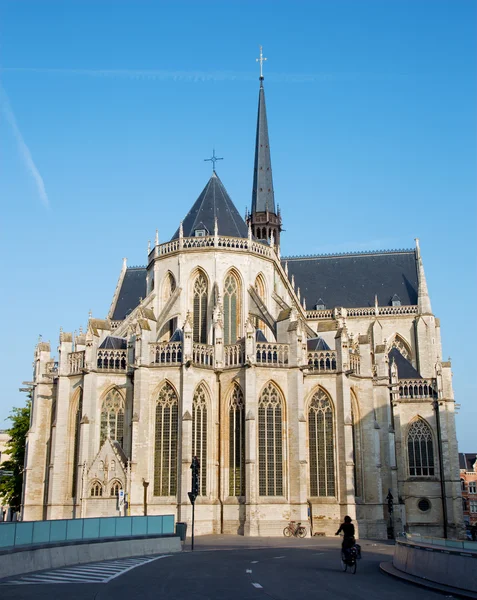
{"points": [[347, 528]]}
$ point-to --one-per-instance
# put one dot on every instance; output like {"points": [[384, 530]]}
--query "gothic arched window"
{"points": [[168, 287], [77, 415], [259, 286], [200, 309], [112, 417], [96, 489], [199, 434], [270, 442], [231, 309], [400, 344], [115, 487], [321, 445], [420, 450], [165, 449], [237, 443]]}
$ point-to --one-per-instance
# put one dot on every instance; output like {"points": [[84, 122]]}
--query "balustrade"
{"points": [[273, 355], [417, 388], [168, 353], [203, 355], [51, 368], [75, 362], [111, 360], [354, 362], [234, 355], [322, 360]]}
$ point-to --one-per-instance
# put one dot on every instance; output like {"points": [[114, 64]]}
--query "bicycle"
{"points": [[349, 558], [294, 528]]}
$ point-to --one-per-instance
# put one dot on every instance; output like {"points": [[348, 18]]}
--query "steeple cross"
{"points": [[213, 160], [261, 61]]}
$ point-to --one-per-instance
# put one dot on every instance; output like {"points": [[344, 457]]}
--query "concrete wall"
{"points": [[439, 564], [52, 557]]}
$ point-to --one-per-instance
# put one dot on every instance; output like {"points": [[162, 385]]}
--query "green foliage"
{"points": [[11, 487]]}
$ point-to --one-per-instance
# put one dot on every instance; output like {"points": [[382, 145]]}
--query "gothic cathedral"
{"points": [[309, 388]]}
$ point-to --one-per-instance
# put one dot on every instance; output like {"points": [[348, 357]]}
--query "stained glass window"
{"points": [[321, 446], [165, 450], [237, 443], [112, 417], [270, 442], [420, 450], [199, 434], [231, 309], [200, 310]]}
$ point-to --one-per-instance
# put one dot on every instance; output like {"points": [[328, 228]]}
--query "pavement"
{"points": [[233, 568]]}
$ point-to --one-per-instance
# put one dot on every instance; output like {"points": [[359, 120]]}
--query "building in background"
{"points": [[468, 481], [307, 387]]}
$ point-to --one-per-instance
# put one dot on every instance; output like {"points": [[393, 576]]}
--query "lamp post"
{"points": [[145, 486], [435, 405]]}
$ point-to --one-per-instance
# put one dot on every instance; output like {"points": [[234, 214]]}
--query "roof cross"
{"points": [[213, 160], [261, 61]]}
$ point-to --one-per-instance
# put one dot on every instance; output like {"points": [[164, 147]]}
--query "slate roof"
{"points": [[352, 280], [213, 202], [466, 461], [133, 287], [317, 343], [260, 336], [112, 342], [404, 367], [263, 197]]}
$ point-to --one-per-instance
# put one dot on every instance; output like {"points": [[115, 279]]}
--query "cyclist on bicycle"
{"points": [[348, 534]]}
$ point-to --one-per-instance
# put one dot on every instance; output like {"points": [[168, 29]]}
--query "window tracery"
{"points": [[400, 344], [115, 487], [237, 442], [321, 445], [96, 489], [200, 309], [270, 442], [199, 434], [231, 309], [420, 450], [165, 450], [112, 417]]}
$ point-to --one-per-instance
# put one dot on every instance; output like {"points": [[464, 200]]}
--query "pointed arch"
{"points": [[112, 416], [357, 445], [165, 444], [114, 487], [398, 342], [200, 404], [168, 287], [420, 449], [200, 292], [236, 408], [321, 444], [232, 301], [270, 441], [96, 489], [75, 421]]}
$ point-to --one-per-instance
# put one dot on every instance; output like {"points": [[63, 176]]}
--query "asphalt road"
{"points": [[239, 568]]}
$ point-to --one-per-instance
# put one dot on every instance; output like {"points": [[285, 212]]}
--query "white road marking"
{"points": [[254, 562], [257, 585], [278, 557], [248, 571], [317, 553], [101, 572]]}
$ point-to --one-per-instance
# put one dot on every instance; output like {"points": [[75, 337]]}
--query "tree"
{"points": [[11, 486]]}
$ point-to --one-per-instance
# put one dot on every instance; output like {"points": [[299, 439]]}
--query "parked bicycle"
{"points": [[294, 528]]}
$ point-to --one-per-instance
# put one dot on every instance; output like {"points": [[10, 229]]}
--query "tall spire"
{"points": [[263, 198], [423, 300]]}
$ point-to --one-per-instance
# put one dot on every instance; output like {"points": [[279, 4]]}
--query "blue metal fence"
{"points": [[68, 530]]}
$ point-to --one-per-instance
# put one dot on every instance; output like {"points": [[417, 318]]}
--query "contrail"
{"points": [[200, 76], [23, 148]]}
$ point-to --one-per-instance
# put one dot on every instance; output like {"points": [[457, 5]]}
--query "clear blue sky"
{"points": [[108, 108]]}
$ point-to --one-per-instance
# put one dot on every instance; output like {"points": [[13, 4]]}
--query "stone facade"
{"points": [[468, 480], [294, 414]]}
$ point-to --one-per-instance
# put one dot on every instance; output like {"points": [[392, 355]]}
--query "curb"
{"points": [[389, 569]]}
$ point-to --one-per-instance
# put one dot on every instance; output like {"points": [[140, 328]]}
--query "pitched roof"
{"points": [[133, 287], [263, 198], [112, 342], [466, 461], [353, 280], [404, 367], [214, 202], [317, 343]]}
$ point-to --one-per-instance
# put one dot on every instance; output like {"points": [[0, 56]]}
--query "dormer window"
{"points": [[320, 305], [200, 233], [396, 300]]}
